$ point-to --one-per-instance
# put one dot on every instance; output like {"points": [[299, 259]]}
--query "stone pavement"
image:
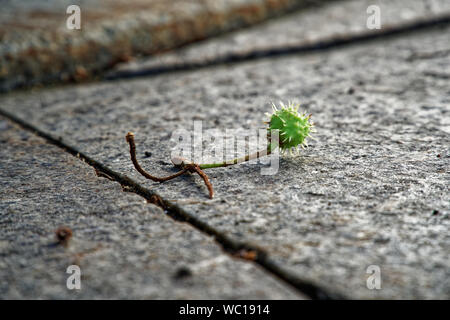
{"points": [[318, 24], [125, 248], [36, 47], [372, 189]]}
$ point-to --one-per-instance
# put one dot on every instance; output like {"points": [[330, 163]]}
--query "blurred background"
{"points": [[57, 41], [41, 43]]}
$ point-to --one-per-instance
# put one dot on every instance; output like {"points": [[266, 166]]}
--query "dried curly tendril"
{"points": [[293, 130]]}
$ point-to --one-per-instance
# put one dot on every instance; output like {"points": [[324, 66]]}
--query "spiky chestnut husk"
{"points": [[293, 128]]}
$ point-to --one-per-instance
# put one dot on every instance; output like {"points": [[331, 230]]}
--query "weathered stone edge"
{"points": [[86, 54]]}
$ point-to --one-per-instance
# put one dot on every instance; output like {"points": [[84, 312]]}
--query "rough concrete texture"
{"points": [[335, 20], [125, 248], [372, 189], [36, 47]]}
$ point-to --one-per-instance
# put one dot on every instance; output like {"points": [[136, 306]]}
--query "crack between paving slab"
{"points": [[302, 48], [236, 249]]}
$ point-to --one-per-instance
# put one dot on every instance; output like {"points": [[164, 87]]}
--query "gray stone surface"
{"points": [[125, 247], [338, 19], [373, 189], [36, 47]]}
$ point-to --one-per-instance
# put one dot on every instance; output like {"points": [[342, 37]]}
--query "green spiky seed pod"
{"points": [[293, 128]]}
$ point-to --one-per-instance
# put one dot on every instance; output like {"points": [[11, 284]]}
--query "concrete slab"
{"points": [[125, 247], [37, 47], [371, 191], [315, 24]]}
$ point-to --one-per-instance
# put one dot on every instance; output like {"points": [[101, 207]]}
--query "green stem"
{"points": [[252, 156]]}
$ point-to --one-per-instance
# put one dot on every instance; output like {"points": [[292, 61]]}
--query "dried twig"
{"points": [[130, 140], [185, 167], [202, 174]]}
